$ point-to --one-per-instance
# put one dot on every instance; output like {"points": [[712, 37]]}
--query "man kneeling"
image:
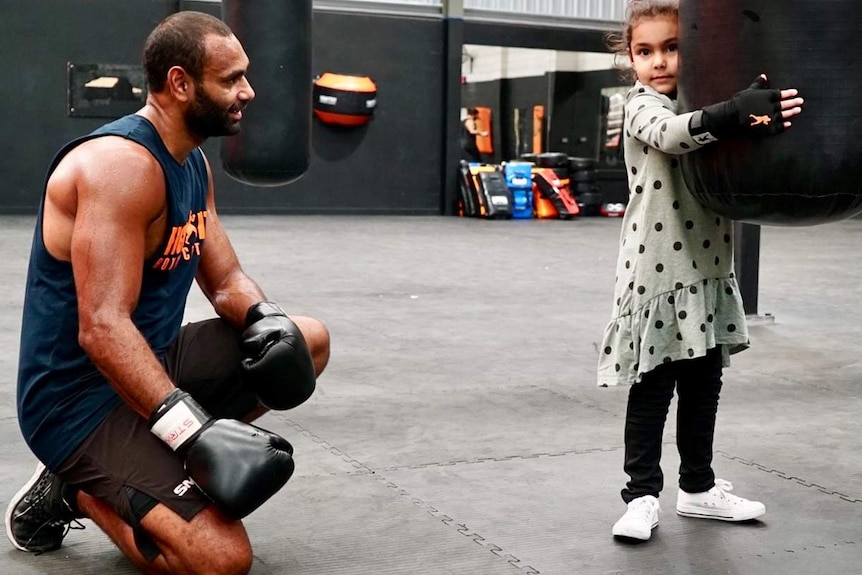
{"points": [[142, 424]]}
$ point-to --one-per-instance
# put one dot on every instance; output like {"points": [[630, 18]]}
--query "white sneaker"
{"points": [[639, 520], [717, 503]]}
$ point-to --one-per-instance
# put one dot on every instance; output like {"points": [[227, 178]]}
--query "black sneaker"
{"points": [[38, 518]]}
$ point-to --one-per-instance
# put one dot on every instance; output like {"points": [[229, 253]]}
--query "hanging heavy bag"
{"points": [[273, 146]]}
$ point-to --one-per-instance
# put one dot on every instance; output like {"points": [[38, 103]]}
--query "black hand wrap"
{"points": [[278, 365], [755, 111]]}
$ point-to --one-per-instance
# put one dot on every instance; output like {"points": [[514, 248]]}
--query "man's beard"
{"points": [[207, 119]]}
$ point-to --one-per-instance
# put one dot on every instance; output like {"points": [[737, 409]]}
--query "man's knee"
{"points": [[209, 544], [317, 337]]}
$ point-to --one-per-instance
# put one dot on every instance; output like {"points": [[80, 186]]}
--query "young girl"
{"points": [[677, 313]]}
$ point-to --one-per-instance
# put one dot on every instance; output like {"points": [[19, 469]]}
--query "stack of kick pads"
{"points": [[548, 186]]}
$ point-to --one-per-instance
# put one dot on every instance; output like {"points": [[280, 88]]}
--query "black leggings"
{"points": [[698, 385]]}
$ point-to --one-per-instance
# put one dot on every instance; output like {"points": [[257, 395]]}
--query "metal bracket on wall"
{"points": [[104, 90]]}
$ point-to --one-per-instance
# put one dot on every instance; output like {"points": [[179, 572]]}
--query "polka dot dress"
{"points": [[675, 294]]}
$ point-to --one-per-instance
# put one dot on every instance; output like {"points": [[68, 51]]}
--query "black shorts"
{"points": [[123, 464]]}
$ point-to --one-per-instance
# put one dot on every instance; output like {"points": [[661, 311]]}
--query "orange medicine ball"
{"points": [[343, 99]]}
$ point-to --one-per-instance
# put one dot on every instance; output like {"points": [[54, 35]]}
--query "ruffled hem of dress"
{"points": [[673, 326]]}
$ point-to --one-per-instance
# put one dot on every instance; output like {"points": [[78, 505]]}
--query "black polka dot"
{"points": [[641, 90], [628, 264], [675, 205], [657, 185], [703, 327], [728, 290], [717, 260], [694, 264], [636, 366], [634, 227], [677, 246], [617, 367], [689, 224], [639, 189], [682, 314], [659, 324], [641, 290], [659, 268], [653, 120], [731, 328], [608, 350], [631, 285], [646, 314], [652, 350], [727, 238], [666, 360], [658, 227], [671, 299], [628, 134], [642, 106], [646, 150], [709, 318], [664, 127], [634, 170], [706, 244], [674, 163], [641, 249], [619, 300], [684, 146], [705, 282], [693, 289], [690, 352], [678, 336], [618, 329], [632, 345], [678, 285]]}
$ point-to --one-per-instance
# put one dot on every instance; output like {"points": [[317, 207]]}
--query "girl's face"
{"points": [[654, 52]]}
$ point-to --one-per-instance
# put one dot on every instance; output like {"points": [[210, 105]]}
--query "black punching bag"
{"points": [[272, 148], [812, 173]]}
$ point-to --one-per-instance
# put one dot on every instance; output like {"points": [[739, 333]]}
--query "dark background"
{"points": [[393, 165]]}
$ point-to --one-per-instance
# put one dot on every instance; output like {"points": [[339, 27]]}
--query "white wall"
{"points": [[488, 63]]}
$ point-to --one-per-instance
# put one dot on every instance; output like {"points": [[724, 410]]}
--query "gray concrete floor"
{"points": [[458, 428]]}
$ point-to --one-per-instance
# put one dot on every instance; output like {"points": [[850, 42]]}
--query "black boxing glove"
{"points": [[755, 111], [237, 465], [278, 366]]}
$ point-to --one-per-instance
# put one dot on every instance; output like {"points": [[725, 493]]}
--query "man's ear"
{"points": [[179, 83]]}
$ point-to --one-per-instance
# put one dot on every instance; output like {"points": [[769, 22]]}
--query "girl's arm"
{"points": [[650, 120]]}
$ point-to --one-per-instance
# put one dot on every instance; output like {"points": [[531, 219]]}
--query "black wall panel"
{"points": [[39, 38], [576, 110], [523, 94]]}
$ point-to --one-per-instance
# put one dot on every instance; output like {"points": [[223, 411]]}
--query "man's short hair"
{"points": [[179, 40]]}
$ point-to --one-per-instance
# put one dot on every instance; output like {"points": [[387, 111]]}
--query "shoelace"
{"points": [[645, 507], [74, 524], [724, 484]]}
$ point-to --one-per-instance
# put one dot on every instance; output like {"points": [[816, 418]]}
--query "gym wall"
{"points": [[392, 165]]}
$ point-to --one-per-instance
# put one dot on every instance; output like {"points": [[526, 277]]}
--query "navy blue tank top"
{"points": [[62, 396]]}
